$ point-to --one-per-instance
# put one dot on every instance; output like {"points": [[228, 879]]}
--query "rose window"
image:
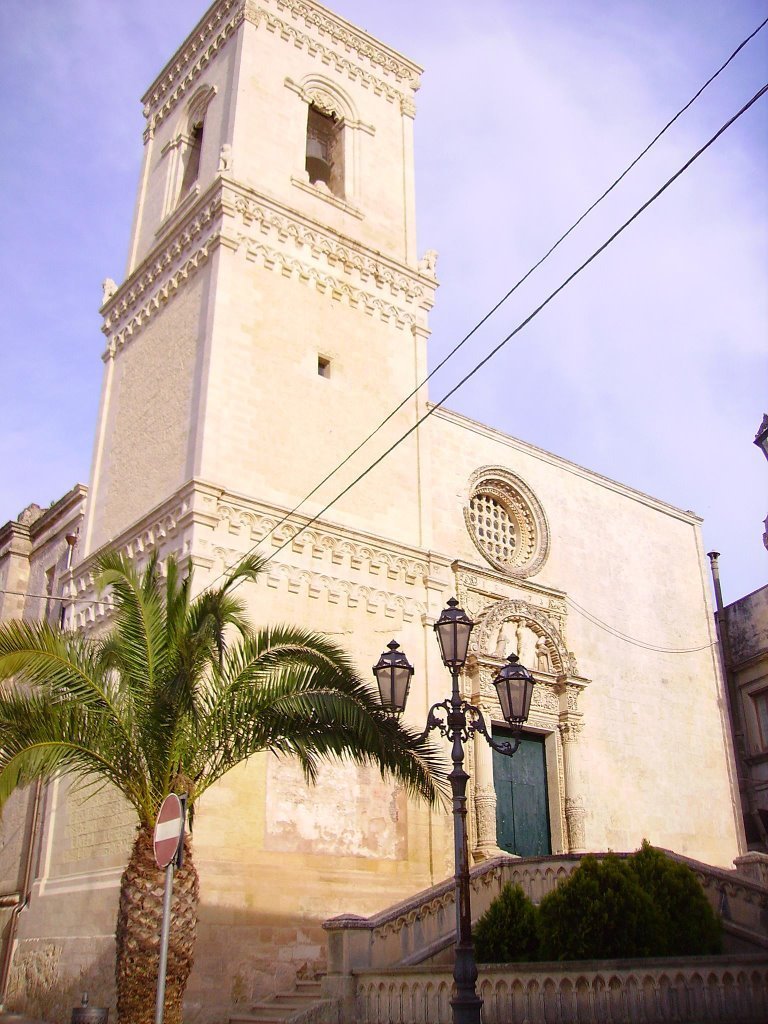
{"points": [[507, 523]]}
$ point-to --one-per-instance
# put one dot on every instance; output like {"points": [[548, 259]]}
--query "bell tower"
{"points": [[274, 310]]}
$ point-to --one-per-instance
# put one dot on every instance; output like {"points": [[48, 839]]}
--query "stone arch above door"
{"points": [[517, 626]]}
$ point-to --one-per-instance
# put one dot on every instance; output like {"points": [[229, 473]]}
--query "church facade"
{"points": [[274, 302]]}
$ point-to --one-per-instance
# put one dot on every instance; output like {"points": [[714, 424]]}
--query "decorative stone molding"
{"points": [[327, 284], [331, 58], [212, 220], [408, 106], [690, 990], [296, 580], [166, 530], [325, 544], [182, 72], [320, 92], [506, 522], [367, 267], [347, 38], [223, 20], [506, 624], [161, 274]]}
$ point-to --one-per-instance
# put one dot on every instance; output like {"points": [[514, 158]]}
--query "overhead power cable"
{"points": [[625, 638], [497, 348], [521, 281]]}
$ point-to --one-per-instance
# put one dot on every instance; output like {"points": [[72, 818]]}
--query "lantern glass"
{"points": [[514, 687], [393, 674], [453, 629]]}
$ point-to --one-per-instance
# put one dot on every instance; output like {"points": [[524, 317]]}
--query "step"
{"points": [[281, 1006]]}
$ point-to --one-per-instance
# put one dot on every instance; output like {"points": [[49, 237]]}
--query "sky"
{"points": [[651, 367]]}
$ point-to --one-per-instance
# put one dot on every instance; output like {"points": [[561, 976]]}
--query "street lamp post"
{"points": [[458, 720]]}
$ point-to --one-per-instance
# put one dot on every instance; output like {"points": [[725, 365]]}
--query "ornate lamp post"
{"points": [[458, 720]]}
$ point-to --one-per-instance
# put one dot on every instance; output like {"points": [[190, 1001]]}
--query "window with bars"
{"points": [[493, 527]]}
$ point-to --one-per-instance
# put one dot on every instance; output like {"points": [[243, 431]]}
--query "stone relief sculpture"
{"points": [[516, 637], [542, 663]]}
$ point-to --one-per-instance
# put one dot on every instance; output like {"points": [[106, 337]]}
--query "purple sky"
{"points": [[650, 368]]}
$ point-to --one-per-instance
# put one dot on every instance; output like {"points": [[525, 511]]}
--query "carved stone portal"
{"points": [[536, 635]]}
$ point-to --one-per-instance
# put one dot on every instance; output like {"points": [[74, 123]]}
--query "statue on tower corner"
{"points": [[225, 158], [109, 288], [428, 262]]}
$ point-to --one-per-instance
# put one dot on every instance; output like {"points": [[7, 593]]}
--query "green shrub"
{"points": [[689, 925], [506, 933], [600, 912]]}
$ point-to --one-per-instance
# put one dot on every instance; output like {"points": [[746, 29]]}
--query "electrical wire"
{"points": [[514, 287], [625, 638], [497, 348], [569, 600], [434, 408]]}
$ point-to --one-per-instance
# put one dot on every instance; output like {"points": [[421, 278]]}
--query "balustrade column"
{"points": [[575, 813]]}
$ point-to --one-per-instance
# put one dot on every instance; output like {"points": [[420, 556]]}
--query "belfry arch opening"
{"points": [[192, 156], [325, 150]]}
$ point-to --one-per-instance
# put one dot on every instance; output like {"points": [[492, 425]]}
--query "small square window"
{"points": [[323, 366]]}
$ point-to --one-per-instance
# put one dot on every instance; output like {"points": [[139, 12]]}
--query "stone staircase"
{"points": [[280, 1009]]}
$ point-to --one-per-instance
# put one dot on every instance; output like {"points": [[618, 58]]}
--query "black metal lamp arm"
{"points": [[478, 725], [469, 721]]}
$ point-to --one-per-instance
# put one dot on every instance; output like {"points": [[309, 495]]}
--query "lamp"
{"points": [[514, 687], [393, 673], [458, 720], [453, 629]]}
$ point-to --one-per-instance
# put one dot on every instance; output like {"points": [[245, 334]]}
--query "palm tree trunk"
{"points": [[139, 921]]}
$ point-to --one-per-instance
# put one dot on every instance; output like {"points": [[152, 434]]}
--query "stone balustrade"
{"points": [[385, 956], [422, 927], [692, 990]]}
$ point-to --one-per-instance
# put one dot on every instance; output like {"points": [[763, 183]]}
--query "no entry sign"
{"points": [[170, 821]]}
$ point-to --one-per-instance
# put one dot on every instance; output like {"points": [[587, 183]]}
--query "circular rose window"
{"points": [[506, 522]]}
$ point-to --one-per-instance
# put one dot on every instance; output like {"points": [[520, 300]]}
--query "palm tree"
{"points": [[177, 693]]}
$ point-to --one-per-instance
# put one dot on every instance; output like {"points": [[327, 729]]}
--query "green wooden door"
{"points": [[522, 809]]}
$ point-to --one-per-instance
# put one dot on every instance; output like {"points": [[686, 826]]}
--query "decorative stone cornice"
{"points": [[332, 546], [260, 216], [166, 268], [328, 37], [327, 284], [165, 529], [347, 38], [316, 585], [267, 232], [175, 80]]}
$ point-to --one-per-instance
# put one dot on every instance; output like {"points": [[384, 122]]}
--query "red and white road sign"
{"points": [[170, 822]]}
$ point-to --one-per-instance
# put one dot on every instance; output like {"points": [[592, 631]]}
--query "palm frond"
{"points": [[294, 692], [140, 622], [39, 737]]}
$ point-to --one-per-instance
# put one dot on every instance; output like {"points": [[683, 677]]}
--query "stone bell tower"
{"points": [[274, 309]]}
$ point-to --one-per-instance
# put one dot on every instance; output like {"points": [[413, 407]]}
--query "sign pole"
{"points": [[164, 932], [169, 853]]}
